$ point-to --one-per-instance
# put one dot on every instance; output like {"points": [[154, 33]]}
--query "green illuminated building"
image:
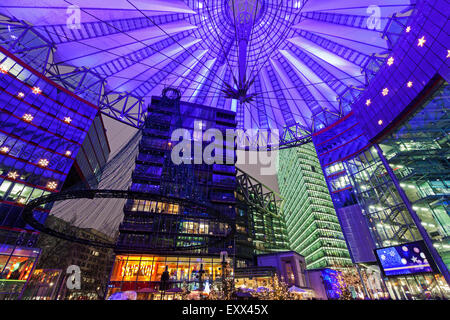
{"points": [[312, 225]]}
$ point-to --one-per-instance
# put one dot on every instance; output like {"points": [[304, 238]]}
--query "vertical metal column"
{"points": [[426, 238], [366, 293]]}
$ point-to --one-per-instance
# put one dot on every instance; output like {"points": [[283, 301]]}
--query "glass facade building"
{"points": [[91, 159], [418, 152], [312, 226]]}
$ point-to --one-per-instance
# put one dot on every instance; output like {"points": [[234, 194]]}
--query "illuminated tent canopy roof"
{"points": [[276, 63]]}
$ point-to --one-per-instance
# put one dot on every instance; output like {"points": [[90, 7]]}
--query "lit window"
{"points": [[43, 162], [4, 149], [421, 41], [36, 90], [13, 175], [67, 120], [385, 91], [27, 117], [52, 185]]}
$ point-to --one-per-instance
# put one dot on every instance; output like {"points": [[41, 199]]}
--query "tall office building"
{"points": [[186, 219], [312, 226]]}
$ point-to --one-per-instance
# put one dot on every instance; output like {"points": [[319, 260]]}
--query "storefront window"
{"points": [[143, 273]]}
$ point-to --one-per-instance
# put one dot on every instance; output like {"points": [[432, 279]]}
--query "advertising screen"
{"points": [[404, 259]]}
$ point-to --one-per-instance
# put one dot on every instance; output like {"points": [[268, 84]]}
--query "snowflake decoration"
{"points": [[20, 95], [380, 122], [43, 162], [448, 53], [408, 29], [27, 117], [13, 175], [409, 84], [368, 102], [385, 92], [68, 153]]}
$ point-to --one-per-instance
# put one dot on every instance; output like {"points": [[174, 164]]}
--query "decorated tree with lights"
{"points": [[277, 290]]}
